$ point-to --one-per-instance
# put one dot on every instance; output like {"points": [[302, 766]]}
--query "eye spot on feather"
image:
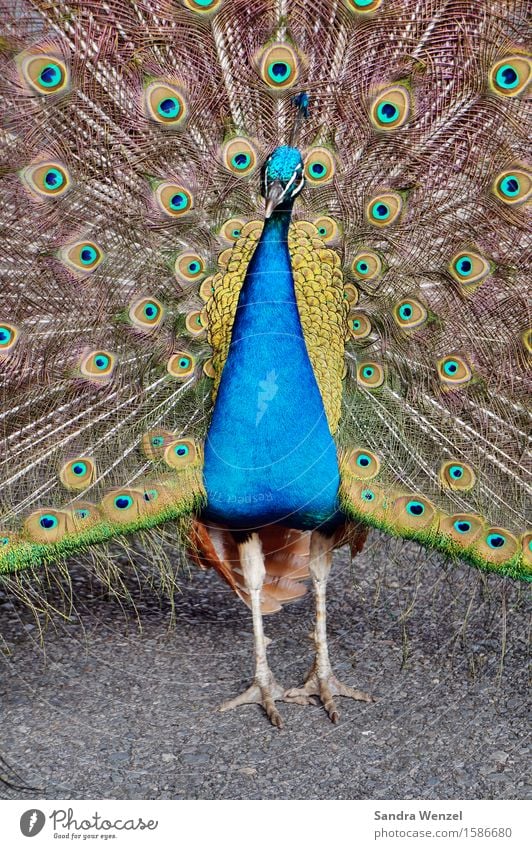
{"points": [[279, 66], [359, 326], [181, 365], [497, 545], [364, 7], [526, 548], [456, 475], [453, 370], [370, 375], [239, 156], [180, 453], [154, 443], [46, 179], [367, 499], [83, 256], [510, 76], [384, 209], [203, 7], [363, 464], [189, 267], [232, 229], [165, 103], [98, 365], [391, 109], [196, 323], [413, 512], [409, 314], [327, 228], [351, 294], [463, 528], [44, 73], [367, 265], [124, 505], [208, 369], [146, 314], [45, 526], [78, 474], [9, 336], [206, 290], [513, 187], [468, 268], [174, 200], [319, 166]]}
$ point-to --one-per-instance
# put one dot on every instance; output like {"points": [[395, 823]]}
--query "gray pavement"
{"points": [[106, 710]]}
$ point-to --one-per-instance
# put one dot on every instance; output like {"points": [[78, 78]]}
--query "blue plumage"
{"points": [[269, 453]]}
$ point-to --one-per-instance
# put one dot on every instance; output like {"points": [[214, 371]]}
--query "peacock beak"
{"points": [[274, 195]]}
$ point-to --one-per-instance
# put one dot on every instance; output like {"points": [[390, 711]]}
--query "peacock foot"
{"points": [[325, 687], [260, 694]]}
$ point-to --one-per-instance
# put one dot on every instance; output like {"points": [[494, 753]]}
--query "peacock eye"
{"points": [[82, 256], [204, 7], [206, 290], [463, 526], [173, 199], [366, 265], [157, 441], [48, 522], [180, 453], [351, 294], [231, 229], [47, 179], [391, 109], [165, 103], [457, 476], [370, 375], [146, 314], [181, 365], [510, 76], [327, 228], [78, 474], [279, 66], [454, 370], [195, 323], [469, 268], [189, 267], [415, 508], [8, 337], [98, 364], [413, 512], [495, 540], [45, 74], [239, 156], [409, 314], [359, 325], [319, 166], [364, 6], [364, 464], [383, 209], [513, 187], [123, 502]]}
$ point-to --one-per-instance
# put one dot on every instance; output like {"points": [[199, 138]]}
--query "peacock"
{"points": [[264, 288]]}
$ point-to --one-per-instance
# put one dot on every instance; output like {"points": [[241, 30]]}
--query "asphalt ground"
{"points": [[107, 709]]}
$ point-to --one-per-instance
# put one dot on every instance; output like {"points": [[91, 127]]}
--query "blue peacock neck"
{"points": [[269, 275]]}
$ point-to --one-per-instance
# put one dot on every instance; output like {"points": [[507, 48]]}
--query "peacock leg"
{"points": [[265, 689], [321, 681]]}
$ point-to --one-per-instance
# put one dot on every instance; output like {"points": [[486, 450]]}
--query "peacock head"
{"points": [[282, 178]]}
